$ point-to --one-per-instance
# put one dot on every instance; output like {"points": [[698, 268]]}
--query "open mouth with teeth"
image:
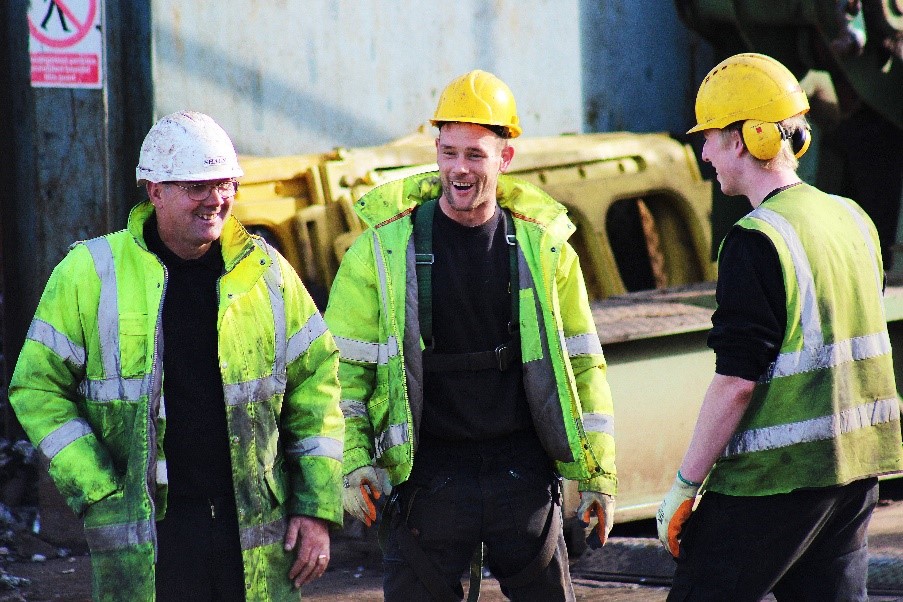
{"points": [[462, 186]]}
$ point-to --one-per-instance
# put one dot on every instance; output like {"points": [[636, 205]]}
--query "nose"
{"points": [[705, 154], [459, 166]]}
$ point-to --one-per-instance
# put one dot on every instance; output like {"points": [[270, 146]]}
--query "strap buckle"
{"points": [[503, 357], [424, 258]]}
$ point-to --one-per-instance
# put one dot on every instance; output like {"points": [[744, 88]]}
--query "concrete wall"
{"points": [[293, 76]]}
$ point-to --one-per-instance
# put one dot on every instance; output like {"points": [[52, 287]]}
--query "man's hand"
{"points": [[674, 512], [362, 487], [310, 538], [602, 506]]}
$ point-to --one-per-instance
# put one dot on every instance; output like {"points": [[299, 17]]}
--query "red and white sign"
{"points": [[66, 43]]}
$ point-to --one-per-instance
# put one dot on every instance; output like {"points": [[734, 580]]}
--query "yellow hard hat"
{"points": [[478, 97], [748, 86]]}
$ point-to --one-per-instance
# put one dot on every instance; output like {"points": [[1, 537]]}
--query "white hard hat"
{"points": [[186, 146]]}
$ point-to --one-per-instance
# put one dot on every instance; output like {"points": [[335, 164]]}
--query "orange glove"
{"points": [[602, 506], [362, 487], [674, 512]]}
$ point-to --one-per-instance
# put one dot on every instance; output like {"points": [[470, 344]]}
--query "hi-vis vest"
{"points": [[89, 390], [826, 411], [372, 314]]}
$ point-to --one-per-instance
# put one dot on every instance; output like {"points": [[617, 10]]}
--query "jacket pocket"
{"points": [[275, 479], [133, 341]]}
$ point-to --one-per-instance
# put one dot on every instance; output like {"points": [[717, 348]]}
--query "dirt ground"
{"points": [[354, 575]]}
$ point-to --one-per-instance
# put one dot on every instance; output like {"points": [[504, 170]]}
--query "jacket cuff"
{"points": [[605, 483], [354, 459]]}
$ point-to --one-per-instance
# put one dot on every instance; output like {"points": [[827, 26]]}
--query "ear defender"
{"points": [[800, 141], [763, 139]]}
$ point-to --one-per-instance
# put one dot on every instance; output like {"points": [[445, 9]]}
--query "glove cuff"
{"points": [[687, 481]]}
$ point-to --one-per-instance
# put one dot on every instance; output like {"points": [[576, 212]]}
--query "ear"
{"points": [[154, 192], [507, 156], [736, 144]]}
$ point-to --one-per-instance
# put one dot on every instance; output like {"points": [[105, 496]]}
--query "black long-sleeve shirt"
{"points": [[749, 325], [196, 439]]}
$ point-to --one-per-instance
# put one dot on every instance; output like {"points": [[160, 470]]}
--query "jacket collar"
{"points": [[393, 200], [235, 242]]}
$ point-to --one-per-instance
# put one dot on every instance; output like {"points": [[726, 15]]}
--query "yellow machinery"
{"points": [[640, 204]]}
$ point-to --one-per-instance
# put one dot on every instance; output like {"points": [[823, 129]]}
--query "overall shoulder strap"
{"points": [[423, 255]]}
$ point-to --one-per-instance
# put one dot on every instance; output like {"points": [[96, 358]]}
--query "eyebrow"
{"points": [[466, 148]]}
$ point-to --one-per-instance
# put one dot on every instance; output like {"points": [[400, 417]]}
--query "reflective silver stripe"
{"points": [[351, 408], [599, 423], [117, 537], [45, 334], [126, 389], [62, 436], [810, 315], [162, 473], [301, 341], [815, 429], [113, 386], [829, 356], [107, 307], [583, 344], [256, 390], [363, 351], [864, 229], [390, 348], [317, 446], [262, 535], [273, 278], [265, 387], [397, 434]]}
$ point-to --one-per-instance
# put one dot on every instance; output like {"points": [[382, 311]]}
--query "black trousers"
{"points": [[199, 552], [501, 494], [805, 545]]}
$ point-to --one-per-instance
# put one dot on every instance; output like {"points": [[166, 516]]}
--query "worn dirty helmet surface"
{"points": [[748, 86], [478, 97], [186, 146]]}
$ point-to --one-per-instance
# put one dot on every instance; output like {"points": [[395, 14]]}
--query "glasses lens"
{"points": [[227, 188], [200, 192]]}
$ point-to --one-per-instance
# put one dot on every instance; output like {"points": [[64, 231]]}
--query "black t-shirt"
{"points": [[749, 325], [471, 312], [196, 440]]}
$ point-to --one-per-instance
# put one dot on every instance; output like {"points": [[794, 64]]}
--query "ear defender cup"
{"points": [[800, 141], [762, 138]]}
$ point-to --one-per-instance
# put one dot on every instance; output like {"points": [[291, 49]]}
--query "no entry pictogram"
{"points": [[61, 23], [66, 43]]}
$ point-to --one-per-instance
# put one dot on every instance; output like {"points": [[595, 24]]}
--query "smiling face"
{"points": [[188, 227], [722, 149], [470, 159]]}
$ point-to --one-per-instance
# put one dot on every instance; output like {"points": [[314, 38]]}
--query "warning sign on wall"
{"points": [[66, 44]]}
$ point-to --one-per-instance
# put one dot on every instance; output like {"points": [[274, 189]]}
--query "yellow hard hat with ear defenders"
{"points": [[478, 97], [760, 92]]}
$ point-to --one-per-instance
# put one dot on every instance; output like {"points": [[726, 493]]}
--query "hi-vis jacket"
{"points": [[89, 390], [826, 411], [372, 314]]}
